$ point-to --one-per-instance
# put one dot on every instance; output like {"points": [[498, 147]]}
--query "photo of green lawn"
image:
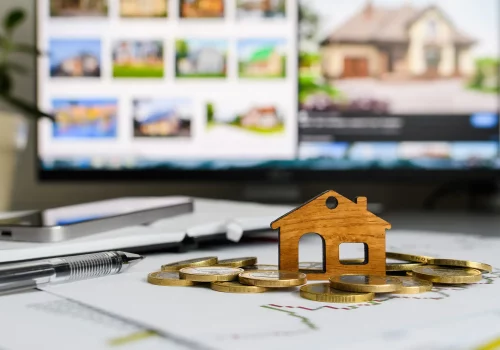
{"points": [[262, 58], [138, 59]]}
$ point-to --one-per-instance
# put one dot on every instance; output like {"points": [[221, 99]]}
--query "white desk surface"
{"points": [[449, 317]]}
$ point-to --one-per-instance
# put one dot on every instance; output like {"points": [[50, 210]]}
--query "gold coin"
{"points": [[408, 257], [261, 267], [365, 283], [462, 263], [396, 266], [176, 266], [210, 273], [238, 262], [413, 285], [438, 274], [325, 293], [235, 287], [168, 278], [273, 279]]}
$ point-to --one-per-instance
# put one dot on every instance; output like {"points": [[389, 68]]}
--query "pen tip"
{"points": [[132, 259]]}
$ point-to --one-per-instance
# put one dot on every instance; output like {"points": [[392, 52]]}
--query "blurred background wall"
{"points": [[30, 193]]}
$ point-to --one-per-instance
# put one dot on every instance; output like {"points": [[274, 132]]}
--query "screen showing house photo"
{"points": [[378, 78], [264, 84]]}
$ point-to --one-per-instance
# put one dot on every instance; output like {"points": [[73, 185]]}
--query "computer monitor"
{"points": [[254, 89]]}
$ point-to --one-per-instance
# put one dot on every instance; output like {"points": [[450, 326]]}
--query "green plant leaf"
{"points": [[13, 19], [5, 81], [26, 107], [14, 67], [26, 48]]}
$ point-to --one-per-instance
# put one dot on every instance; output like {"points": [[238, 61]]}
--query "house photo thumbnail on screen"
{"points": [[85, 118], [256, 119], [162, 117], [262, 58], [201, 8], [201, 58], [138, 59], [143, 8], [78, 8], [399, 57], [75, 57], [256, 9]]}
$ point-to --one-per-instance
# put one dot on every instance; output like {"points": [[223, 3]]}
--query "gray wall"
{"points": [[29, 193]]}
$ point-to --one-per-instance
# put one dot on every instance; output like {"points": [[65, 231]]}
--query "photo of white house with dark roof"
{"points": [[162, 117], [395, 56], [201, 58], [75, 57]]}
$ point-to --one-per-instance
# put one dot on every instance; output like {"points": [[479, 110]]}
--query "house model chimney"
{"points": [[362, 202]]}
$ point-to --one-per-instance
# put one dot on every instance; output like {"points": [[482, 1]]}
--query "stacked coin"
{"points": [[236, 275], [441, 271], [409, 275]]}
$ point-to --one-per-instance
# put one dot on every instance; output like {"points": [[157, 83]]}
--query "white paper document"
{"points": [[39, 320], [283, 320], [208, 218]]}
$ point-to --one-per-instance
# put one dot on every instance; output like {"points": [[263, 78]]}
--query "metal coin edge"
{"points": [[462, 263], [408, 257], [364, 288], [208, 261], [449, 279], [210, 278], [245, 261], [220, 287], [333, 298], [426, 287], [167, 281], [252, 281]]}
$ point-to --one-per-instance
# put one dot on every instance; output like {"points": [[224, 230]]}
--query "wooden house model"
{"points": [[336, 220]]}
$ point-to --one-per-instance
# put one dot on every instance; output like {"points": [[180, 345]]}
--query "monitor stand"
{"points": [[483, 195], [273, 193]]}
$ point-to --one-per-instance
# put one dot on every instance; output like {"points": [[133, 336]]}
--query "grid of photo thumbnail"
{"points": [[192, 58], [245, 9]]}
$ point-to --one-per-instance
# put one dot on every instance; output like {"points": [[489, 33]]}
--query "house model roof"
{"points": [[359, 206], [384, 24]]}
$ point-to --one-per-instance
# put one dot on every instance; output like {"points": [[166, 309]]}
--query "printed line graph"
{"points": [[307, 324]]}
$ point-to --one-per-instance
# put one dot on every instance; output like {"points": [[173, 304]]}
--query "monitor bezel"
{"points": [[250, 175]]}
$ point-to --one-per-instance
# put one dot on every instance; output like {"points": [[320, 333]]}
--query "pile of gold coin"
{"points": [[410, 275], [238, 275]]}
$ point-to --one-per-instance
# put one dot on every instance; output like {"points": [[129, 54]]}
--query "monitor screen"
{"points": [[212, 85]]}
